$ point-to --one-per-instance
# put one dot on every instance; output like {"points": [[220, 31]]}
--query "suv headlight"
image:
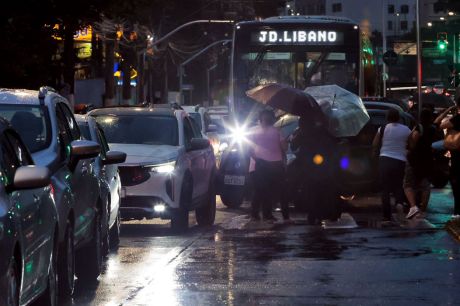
{"points": [[162, 168]]}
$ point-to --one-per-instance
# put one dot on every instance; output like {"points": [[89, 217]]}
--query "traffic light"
{"points": [[442, 41]]}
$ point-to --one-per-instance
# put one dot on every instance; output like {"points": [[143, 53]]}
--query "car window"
{"points": [[188, 134], [102, 142], [65, 137], [71, 123], [20, 151], [142, 129], [196, 128], [32, 123], [196, 118]]}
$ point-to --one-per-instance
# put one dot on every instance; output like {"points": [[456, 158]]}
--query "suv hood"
{"points": [[147, 154]]}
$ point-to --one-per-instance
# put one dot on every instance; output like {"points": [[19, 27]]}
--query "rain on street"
{"points": [[239, 262]]}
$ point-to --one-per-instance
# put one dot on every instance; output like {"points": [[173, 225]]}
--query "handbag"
{"points": [[452, 140], [376, 149]]}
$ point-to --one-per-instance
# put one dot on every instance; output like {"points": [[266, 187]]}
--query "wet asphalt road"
{"points": [[238, 262]]}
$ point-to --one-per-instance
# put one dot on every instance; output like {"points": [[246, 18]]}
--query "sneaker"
{"points": [[412, 212]]}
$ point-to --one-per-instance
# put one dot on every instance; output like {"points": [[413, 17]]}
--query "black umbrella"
{"points": [[286, 98]]}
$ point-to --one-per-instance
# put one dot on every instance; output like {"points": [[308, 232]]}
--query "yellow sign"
{"points": [[84, 34], [84, 50]]}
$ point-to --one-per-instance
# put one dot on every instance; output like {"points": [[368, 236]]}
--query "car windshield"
{"points": [[151, 130], [31, 122]]}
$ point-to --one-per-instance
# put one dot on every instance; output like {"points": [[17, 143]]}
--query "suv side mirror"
{"points": [[199, 144], [30, 177], [114, 157], [82, 149]]}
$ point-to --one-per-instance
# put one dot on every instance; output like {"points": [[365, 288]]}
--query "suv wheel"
{"points": [[179, 218], [114, 233], [90, 258], [12, 278], [66, 264], [206, 214], [232, 200]]}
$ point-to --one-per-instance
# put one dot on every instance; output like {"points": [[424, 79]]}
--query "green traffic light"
{"points": [[442, 45]]}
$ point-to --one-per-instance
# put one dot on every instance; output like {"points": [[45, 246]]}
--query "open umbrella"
{"points": [[345, 110], [286, 98]]}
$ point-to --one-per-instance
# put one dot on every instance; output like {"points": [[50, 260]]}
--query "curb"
{"points": [[453, 227]]}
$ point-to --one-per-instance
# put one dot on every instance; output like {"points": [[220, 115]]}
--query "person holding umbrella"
{"points": [[268, 150]]}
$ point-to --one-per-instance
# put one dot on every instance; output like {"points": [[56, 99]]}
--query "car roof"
{"points": [[382, 106], [26, 96], [133, 111]]}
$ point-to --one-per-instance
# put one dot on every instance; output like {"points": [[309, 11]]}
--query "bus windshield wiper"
{"points": [[259, 59], [315, 67]]}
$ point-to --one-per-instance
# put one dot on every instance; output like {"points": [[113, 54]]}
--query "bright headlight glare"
{"points": [[163, 168], [223, 146], [239, 134]]}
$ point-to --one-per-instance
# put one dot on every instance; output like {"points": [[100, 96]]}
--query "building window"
{"points": [[404, 25], [391, 9], [404, 9], [390, 25], [336, 7]]}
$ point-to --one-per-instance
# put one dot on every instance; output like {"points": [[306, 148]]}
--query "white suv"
{"points": [[169, 169]]}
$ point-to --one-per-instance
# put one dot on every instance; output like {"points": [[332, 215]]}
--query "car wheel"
{"points": [[179, 218], [50, 296], [114, 233], [90, 258], [66, 264], [206, 214], [232, 200], [12, 278]]}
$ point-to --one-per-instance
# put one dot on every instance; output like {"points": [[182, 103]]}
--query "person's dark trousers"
{"points": [[455, 183], [255, 201], [284, 196], [391, 177], [268, 176]]}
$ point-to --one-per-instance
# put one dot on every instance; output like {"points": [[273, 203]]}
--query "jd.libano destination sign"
{"points": [[297, 37]]}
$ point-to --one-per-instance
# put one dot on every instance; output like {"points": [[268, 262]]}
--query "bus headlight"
{"points": [[223, 146]]}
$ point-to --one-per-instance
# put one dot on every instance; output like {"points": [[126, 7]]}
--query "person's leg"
{"points": [[284, 196], [385, 180], [398, 179]]}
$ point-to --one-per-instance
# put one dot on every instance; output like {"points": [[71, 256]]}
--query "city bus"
{"points": [[299, 51]]}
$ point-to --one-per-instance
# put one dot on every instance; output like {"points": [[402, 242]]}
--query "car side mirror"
{"points": [[212, 128], [30, 177], [114, 157], [82, 149], [199, 144]]}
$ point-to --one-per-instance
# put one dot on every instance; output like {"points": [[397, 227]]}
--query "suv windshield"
{"points": [[31, 122], [150, 130]]}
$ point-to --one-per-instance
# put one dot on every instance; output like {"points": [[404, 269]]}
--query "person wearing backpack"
{"points": [[419, 163], [392, 140]]}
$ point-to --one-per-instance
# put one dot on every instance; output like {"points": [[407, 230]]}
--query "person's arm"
{"points": [[376, 141], [413, 138], [444, 124]]}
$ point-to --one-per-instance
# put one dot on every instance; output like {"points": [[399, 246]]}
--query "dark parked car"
{"points": [[106, 170], [28, 226], [48, 128]]}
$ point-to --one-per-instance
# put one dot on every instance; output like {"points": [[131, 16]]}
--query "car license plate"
{"points": [[237, 180], [123, 192]]}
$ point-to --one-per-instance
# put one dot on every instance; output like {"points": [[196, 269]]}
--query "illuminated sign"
{"points": [[297, 37]]}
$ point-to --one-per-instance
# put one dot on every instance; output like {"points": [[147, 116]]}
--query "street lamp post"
{"points": [[384, 49], [419, 59], [181, 66]]}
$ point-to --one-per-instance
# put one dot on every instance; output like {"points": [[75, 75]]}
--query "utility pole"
{"points": [[419, 59], [384, 48]]}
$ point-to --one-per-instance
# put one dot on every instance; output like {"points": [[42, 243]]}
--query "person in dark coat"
{"points": [[318, 165]]}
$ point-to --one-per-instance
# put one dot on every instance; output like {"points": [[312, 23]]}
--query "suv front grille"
{"points": [[133, 175]]}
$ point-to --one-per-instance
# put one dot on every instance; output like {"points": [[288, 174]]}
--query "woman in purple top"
{"points": [[268, 151]]}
